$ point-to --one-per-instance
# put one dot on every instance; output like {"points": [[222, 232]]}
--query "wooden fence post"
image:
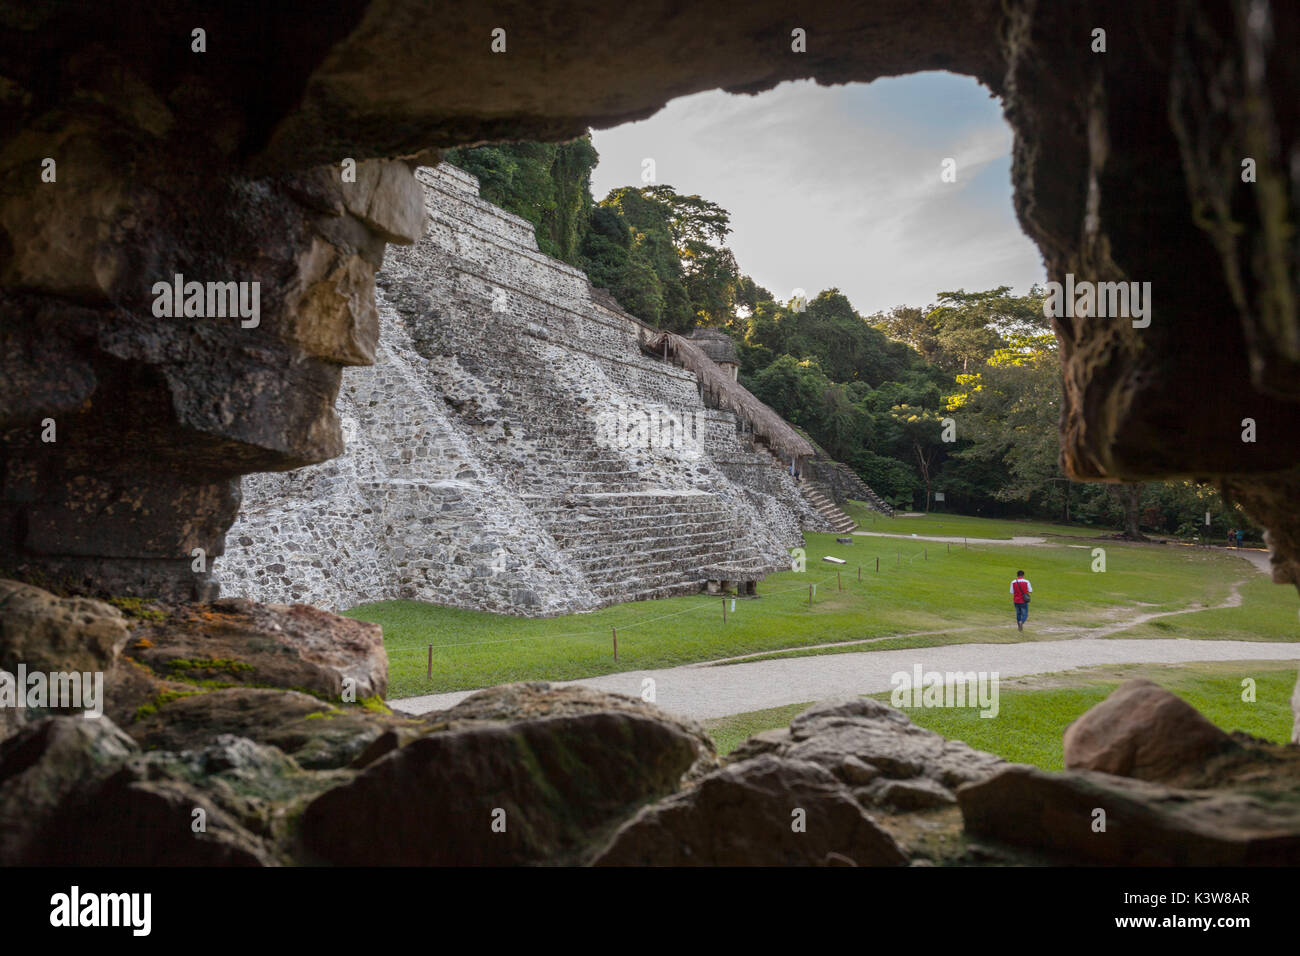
{"points": [[615, 630], [428, 671]]}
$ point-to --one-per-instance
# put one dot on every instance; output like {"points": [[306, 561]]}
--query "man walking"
{"points": [[1020, 591]]}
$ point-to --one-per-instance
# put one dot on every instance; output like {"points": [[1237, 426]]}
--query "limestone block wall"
{"points": [[512, 449]]}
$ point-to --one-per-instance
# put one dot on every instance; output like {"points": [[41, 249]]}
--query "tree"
{"points": [[1008, 413], [549, 184], [909, 325], [922, 427], [794, 389], [1130, 497], [969, 327]]}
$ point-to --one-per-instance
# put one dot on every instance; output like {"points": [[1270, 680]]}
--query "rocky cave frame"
{"points": [[223, 165]]}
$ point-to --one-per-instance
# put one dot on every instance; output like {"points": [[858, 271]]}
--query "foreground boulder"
{"points": [[201, 759], [876, 749], [525, 775], [767, 811], [1142, 730], [1089, 817], [235, 641], [531, 700], [836, 760], [316, 734], [44, 765], [230, 802], [50, 633]]}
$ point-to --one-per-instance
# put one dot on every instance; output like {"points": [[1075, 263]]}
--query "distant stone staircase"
{"points": [[860, 490], [820, 497]]}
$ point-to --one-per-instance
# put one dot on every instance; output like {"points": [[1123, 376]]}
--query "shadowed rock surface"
{"points": [[238, 641], [1146, 824], [488, 792], [49, 633], [766, 811], [872, 746], [45, 764]]}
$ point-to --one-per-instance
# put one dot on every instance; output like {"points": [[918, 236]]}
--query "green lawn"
{"points": [[1034, 712], [920, 587], [1268, 613], [959, 526]]}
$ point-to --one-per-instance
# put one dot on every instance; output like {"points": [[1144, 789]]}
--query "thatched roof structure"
{"points": [[721, 392]]}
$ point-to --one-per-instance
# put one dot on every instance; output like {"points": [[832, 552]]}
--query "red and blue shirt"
{"points": [[1020, 590]]}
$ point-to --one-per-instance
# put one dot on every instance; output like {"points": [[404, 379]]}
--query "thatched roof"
{"points": [[721, 392]]}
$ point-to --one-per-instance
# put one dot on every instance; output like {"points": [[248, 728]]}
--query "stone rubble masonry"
{"points": [[484, 467]]}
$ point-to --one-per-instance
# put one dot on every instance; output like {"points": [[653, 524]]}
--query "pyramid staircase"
{"points": [[632, 537], [820, 497]]}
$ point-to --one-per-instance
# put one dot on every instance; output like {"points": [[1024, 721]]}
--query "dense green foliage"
{"points": [[961, 396], [548, 184]]}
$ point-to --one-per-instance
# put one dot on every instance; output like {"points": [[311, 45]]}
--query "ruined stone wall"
{"points": [[512, 449]]}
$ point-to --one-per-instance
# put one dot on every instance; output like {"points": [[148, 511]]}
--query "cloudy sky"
{"points": [[840, 186]]}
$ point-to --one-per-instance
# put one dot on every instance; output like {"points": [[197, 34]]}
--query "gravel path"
{"points": [[704, 692]]}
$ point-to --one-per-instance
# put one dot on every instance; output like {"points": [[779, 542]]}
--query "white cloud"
{"points": [[841, 186]]}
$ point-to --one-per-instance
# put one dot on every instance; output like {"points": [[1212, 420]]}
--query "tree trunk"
{"points": [[925, 473], [1129, 496]]}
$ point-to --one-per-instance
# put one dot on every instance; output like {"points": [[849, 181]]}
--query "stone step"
{"points": [[570, 539], [653, 518], [667, 510], [684, 584], [645, 545], [708, 552]]}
